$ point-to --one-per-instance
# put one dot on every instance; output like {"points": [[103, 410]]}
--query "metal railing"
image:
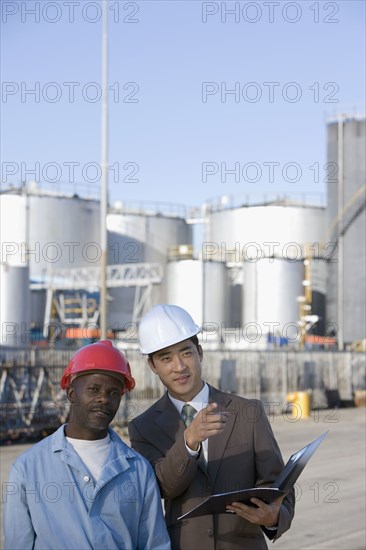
{"points": [[291, 198], [31, 400]]}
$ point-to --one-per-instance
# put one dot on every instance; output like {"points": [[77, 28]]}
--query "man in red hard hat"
{"points": [[83, 487]]}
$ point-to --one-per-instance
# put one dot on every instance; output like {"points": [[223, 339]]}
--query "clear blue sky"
{"points": [[310, 51]]}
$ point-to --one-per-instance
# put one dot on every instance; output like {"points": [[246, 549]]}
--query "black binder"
{"points": [[216, 504]]}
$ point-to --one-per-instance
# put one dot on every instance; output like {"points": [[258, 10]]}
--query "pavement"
{"points": [[330, 493]]}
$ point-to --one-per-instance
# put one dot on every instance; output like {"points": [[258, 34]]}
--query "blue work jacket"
{"points": [[52, 502]]}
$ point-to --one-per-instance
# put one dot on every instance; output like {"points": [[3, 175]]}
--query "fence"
{"points": [[32, 402]]}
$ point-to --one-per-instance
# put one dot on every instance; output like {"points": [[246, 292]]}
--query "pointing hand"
{"points": [[207, 423]]}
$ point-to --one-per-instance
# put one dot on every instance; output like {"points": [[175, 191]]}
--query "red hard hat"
{"points": [[101, 356]]}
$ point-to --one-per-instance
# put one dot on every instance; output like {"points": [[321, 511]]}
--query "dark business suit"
{"points": [[244, 455]]}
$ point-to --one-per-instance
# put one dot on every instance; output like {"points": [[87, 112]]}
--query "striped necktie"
{"points": [[188, 413]]}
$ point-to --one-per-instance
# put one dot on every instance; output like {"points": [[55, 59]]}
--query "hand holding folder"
{"points": [[216, 504]]}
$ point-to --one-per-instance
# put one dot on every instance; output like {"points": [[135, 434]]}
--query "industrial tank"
{"points": [[215, 293], [56, 230], [141, 237], [149, 235], [14, 305], [45, 230], [16, 297], [346, 229], [64, 231], [262, 235], [201, 288], [275, 229], [270, 298], [13, 229], [41, 231], [185, 286]]}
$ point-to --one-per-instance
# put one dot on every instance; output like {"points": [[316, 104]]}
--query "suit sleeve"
{"points": [[174, 471], [269, 464]]}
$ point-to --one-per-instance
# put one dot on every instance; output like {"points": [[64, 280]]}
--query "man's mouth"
{"points": [[182, 379], [101, 413]]}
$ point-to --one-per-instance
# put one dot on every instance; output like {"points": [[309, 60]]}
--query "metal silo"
{"points": [[201, 288], [270, 298], [15, 313], [64, 231], [185, 286], [266, 234], [50, 230], [277, 229], [150, 235], [144, 236], [125, 245], [14, 305], [346, 229], [41, 231], [215, 293], [14, 228]]}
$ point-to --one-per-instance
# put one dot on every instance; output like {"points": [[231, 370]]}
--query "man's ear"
{"points": [[200, 352], [151, 365], [70, 394]]}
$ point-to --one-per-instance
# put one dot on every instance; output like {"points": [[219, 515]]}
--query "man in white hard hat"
{"points": [[201, 441], [83, 487]]}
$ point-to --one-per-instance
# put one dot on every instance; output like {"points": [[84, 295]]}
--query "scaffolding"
{"points": [[68, 291]]}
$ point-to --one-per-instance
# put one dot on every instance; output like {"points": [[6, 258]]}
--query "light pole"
{"points": [[104, 183]]}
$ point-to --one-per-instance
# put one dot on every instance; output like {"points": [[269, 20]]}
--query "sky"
{"points": [[208, 101]]}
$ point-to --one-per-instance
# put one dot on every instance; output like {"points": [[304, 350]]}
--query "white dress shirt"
{"points": [[199, 402]]}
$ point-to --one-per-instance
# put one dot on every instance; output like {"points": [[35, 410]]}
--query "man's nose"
{"points": [[103, 397], [178, 363]]}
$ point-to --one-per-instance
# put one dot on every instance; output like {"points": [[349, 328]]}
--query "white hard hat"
{"points": [[163, 326]]}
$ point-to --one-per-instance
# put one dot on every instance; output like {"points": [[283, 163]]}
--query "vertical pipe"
{"points": [[27, 262], [104, 170], [340, 233]]}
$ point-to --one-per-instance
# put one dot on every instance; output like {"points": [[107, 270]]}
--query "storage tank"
{"points": [[215, 293], [270, 298], [14, 305], [41, 231], [54, 230], [277, 229], [201, 288], [15, 302], [185, 286], [60, 230], [256, 233], [13, 228], [141, 237], [346, 282], [149, 235], [64, 231]]}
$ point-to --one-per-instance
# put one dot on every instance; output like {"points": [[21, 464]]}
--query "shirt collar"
{"points": [[199, 402], [91, 443], [60, 443]]}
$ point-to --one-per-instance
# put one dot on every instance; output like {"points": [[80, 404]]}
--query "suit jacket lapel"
{"points": [[218, 443], [168, 419], [169, 422]]}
